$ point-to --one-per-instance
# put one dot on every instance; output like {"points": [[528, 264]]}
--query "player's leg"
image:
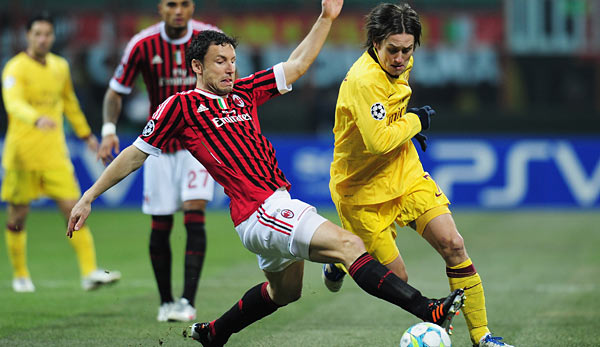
{"points": [[161, 200], [375, 225], [82, 242], [442, 234], [437, 226], [282, 287], [62, 186], [160, 259], [18, 189], [332, 243], [285, 229], [196, 189], [16, 246], [279, 233]]}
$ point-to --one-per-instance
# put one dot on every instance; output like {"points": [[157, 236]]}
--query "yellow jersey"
{"points": [[30, 90], [374, 160]]}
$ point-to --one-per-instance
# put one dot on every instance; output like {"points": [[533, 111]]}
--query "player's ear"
{"points": [[159, 7], [197, 66]]}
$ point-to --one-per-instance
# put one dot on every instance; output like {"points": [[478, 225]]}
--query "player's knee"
{"points": [[294, 295], [287, 295], [453, 245], [194, 205]]}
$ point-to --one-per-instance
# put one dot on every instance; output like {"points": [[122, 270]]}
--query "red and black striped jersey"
{"points": [[161, 60], [224, 134]]}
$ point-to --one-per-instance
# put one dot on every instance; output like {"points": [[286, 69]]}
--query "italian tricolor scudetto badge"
{"points": [[222, 104]]}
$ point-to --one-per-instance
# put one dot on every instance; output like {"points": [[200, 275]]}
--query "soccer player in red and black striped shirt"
{"points": [[174, 180], [218, 123]]}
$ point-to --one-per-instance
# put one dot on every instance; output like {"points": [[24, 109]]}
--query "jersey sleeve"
{"points": [[266, 84], [370, 108], [166, 123], [124, 76], [72, 109], [13, 92]]}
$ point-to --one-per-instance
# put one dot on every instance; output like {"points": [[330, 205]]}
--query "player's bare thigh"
{"points": [[332, 244]]}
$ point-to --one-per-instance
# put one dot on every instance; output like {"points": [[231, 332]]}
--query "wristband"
{"points": [[109, 129]]}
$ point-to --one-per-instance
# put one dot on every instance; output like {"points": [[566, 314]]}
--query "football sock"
{"points": [[16, 246], [377, 280], [83, 243], [194, 252], [160, 255], [254, 305], [465, 276]]}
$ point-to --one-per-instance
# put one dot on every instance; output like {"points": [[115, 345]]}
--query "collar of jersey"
{"points": [[375, 57], [209, 94], [179, 41]]}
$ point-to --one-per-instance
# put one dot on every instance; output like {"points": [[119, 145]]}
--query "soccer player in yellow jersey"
{"points": [[377, 180], [37, 91]]}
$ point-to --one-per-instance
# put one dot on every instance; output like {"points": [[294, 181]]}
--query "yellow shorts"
{"points": [[375, 224], [23, 186]]}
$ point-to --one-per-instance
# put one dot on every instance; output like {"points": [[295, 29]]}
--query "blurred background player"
{"points": [[37, 91], [175, 179], [377, 180]]}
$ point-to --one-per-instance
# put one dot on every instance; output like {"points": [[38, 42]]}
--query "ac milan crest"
{"points": [[237, 100], [287, 214]]}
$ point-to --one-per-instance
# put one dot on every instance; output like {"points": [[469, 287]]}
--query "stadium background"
{"points": [[516, 86]]}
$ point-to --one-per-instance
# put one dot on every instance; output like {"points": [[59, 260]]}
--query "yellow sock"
{"points": [[465, 276], [341, 267], [16, 246], [83, 243]]}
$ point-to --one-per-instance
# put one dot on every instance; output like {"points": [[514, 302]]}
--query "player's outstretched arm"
{"points": [[111, 108], [306, 52], [128, 161]]}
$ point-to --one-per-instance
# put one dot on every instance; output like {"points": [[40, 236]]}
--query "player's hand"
{"points": [[424, 113], [331, 8], [45, 123], [422, 139], [109, 144], [92, 143], [79, 214]]}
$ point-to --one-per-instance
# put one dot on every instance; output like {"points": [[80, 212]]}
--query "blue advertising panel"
{"points": [[475, 172]]}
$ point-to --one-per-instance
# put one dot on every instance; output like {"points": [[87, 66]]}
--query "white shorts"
{"points": [[172, 178], [280, 231]]}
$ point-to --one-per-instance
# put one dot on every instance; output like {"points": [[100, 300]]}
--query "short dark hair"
{"points": [[40, 17], [199, 46], [389, 19]]}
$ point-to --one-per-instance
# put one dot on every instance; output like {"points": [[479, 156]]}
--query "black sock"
{"points": [[254, 305], [160, 255], [194, 252], [377, 280]]}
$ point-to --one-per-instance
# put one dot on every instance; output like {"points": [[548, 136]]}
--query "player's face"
{"points": [[395, 51], [176, 13], [40, 38], [218, 69]]}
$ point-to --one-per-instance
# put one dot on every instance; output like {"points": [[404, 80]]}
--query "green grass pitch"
{"points": [[541, 273]]}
